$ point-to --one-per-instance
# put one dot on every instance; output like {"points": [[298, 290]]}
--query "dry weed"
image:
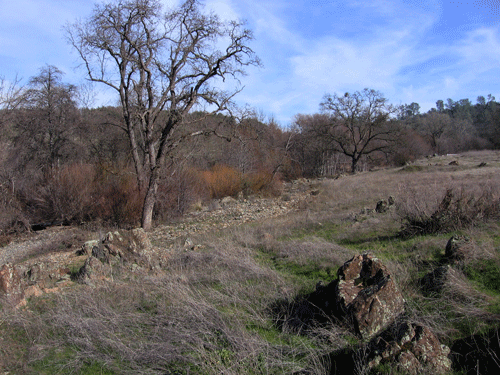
{"points": [[457, 209]]}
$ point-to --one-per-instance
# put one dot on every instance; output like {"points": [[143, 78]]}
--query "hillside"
{"points": [[242, 286]]}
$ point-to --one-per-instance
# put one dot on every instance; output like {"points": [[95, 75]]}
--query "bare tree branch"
{"points": [[360, 124], [161, 66]]}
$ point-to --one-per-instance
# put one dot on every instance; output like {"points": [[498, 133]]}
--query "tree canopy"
{"points": [[360, 124]]}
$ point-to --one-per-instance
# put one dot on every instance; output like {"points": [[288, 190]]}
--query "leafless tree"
{"points": [[161, 64], [309, 149], [360, 124], [10, 95], [434, 125], [46, 116]]}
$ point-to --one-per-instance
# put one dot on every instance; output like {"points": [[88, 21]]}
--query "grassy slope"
{"points": [[225, 307]]}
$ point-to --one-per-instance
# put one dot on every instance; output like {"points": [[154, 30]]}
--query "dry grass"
{"points": [[457, 209], [207, 314], [212, 309]]}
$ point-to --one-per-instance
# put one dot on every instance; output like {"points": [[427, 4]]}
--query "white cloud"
{"points": [[481, 47], [308, 48], [301, 69], [224, 9]]}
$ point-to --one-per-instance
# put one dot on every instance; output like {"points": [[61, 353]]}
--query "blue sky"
{"points": [[410, 50]]}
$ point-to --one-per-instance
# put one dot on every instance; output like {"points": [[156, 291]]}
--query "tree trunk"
{"points": [[354, 165], [149, 201]]}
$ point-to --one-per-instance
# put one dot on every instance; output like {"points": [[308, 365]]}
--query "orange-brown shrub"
{"points": [[262, 182], [223, 181]]}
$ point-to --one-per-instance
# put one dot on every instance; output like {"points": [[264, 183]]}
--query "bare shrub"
{"points": [[458, 209], [66, 193], [78, 193], [12, 218], [178, 191]]}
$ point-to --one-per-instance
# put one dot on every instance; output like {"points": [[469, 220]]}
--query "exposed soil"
{"points": [[50, 240]]}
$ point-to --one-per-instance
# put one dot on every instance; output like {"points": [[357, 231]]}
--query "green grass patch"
{"points": [[267, 331], [303, 275], [56, 362], [328, 231], [427, 248], [485, 274], [309, 271]]}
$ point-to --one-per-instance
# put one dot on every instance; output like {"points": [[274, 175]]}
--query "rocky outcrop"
{"points": [[449, 277], [94, 269], [128, 248], [366, 299], [435, 281], [46, 274], [383, 205], [413, 347], [367, 295], [50, 272]]}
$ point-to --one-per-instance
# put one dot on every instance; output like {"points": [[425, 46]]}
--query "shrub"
{"points": [[120, 202], [12, 219], [223, 181], [178, 192], [458, 209], [61, 194], [262, 182], [77, 193]]}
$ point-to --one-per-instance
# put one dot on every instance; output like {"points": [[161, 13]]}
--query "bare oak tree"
{"points": [[360, 124], [434, 125], [161, 64]]}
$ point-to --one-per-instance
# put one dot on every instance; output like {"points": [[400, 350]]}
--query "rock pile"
{"points": [[50, 272], [227, 212], [366, 298], [132, 249], [11, 289], [384, 205], [459, 249], [413, 347]]}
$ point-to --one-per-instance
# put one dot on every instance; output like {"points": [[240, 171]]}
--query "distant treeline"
{"points": [[61, 161]]}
